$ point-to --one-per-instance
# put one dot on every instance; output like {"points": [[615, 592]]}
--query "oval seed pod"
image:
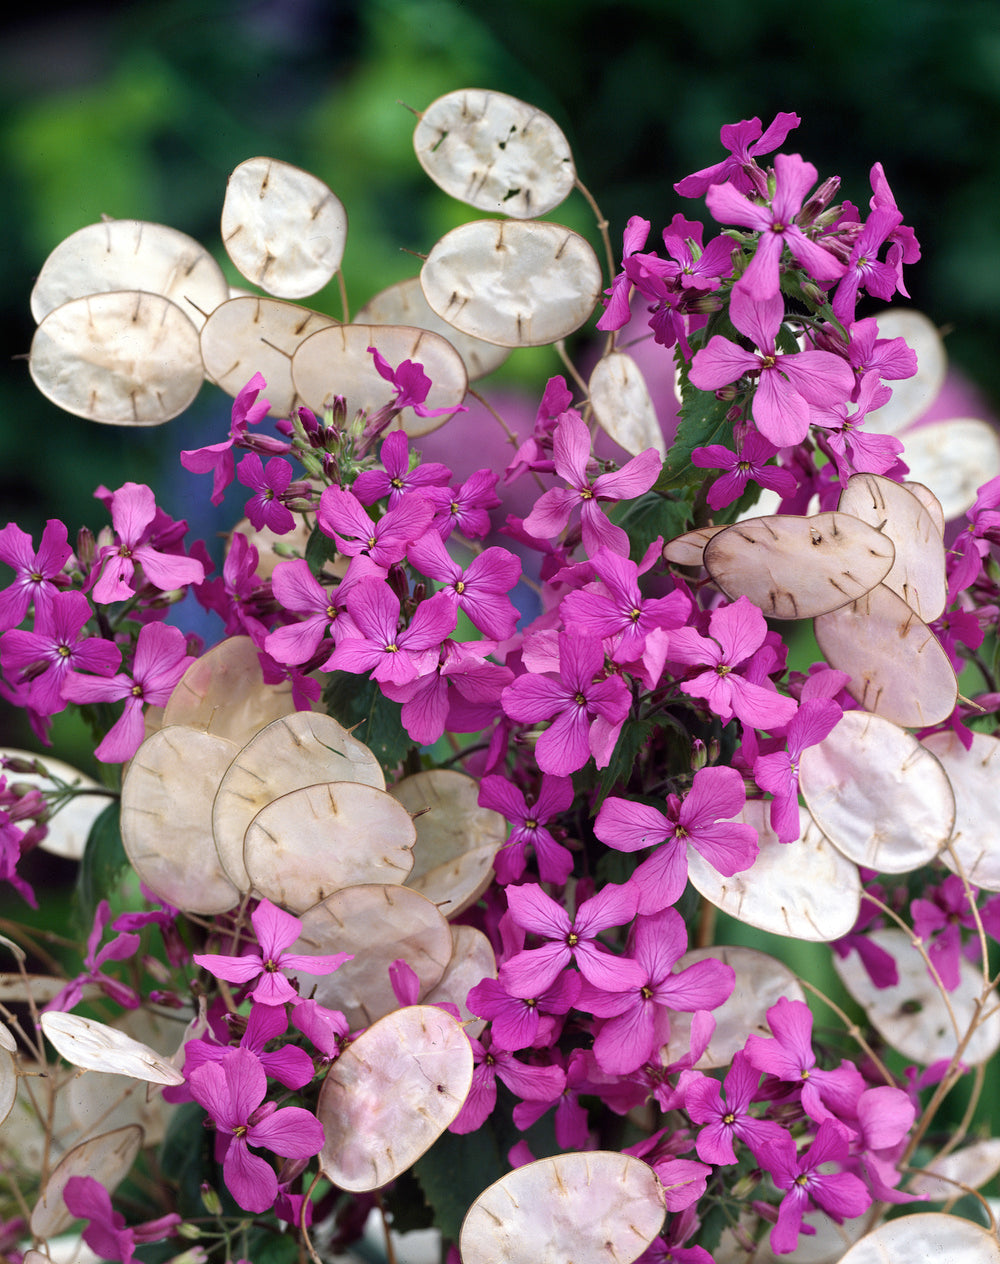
{"points": [[495, 152], [911, 397], [124, 359], [248, 335], [923, 1239], [796, 567], [519, 283], [623, 406], [130, 254], [599, 1206], [282, 227], [107, 1158]]}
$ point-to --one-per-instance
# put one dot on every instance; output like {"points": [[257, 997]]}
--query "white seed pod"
{"points": [[124, 358], [282, 227], [877, 794], [456, 839], [623, 406], [973, 776], [224, 693], [98, 1047], [8, 1079], [107, 1158], [917, 573], [897, 665], [303, 749], [166, 818], [926, 1238], [472, 960], [519, 283], [795, 567], [305, 845], [393, 923], [954, 458], [495, 152], [971, 1166], [391, 1094], [336, 361], [404, 304], [913, 1016], [911, 397], [804, 890], [130, 254], [689, 549], [600, 1206], [248, 335]]}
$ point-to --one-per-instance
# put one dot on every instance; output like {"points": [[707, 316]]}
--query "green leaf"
{"points": [[320, 550], [631, 740], [102, 865], [703, 421], [455, 1171], [653, 515], [184, 1155], [359, 704]]}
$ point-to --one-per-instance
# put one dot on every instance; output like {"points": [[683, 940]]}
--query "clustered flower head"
{"points": [[634, 725]]}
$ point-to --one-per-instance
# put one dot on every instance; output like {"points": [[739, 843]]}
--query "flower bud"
{"points": [[819, 202], [210, 1200], [85, 548], [699, 755]]}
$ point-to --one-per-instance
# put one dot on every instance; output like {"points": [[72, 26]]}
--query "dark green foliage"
{"points": [[359, 704], [103, 863]]}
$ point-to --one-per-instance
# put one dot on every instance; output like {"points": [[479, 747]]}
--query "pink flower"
{"points": [[586, 714], [133, 513], [555, 862], [571, 452], [276, 931], [786, 383], [232, 1092], [268, 483], [107, 1234], [637, 1019], [392, 655], [840, 1194], [118, 949], [536, 1083], [396, 479], [160, 661], [480, 590], [411, 384], [726, 1118], [776, 225], [37, 576], [745, 141], [533, 971], [750, 462], [701, 820], [738, 632], [218, 457], [342, 517], [779, 773]]}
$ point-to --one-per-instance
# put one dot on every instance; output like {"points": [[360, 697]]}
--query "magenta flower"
{"points": [[392, 655], [37, 576], [159, 663], [118, 949], [263, 965], [133, 514], [737, 632], [786, 383], [790, 1057], [298, 590], [342, 517], [55, 650], [750, 462], [571, 453], [411, 384], [701, 819], [232, 1091], [586, 714], [107, 1234], [555, 862], [617, 311], [840, 1194], [533, 971], [535, 1083], [218, 457], [396, 478], [776, 225], [864, 270], [288, 1064], [268, 483], [616, 611], [726, 1118], [480, 591], [745, 141], [462, 693], [637, 1019], [465, 509], [778, 773], [518, 1022]]}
